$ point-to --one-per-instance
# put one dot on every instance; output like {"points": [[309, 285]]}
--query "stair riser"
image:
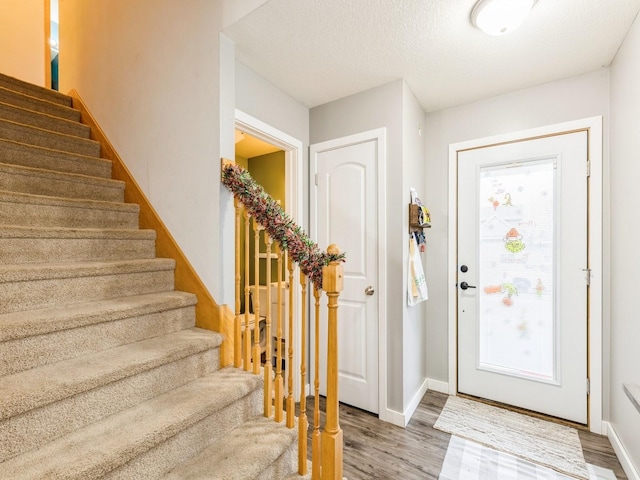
{"points": [[43, 138], [155, 463], [37, 105], [36, 427], [34, 91], [48, 122], [29, 295], [42, 250], [35, 157], [25, 353], [283, 466], [36, 215], [54, 186]]}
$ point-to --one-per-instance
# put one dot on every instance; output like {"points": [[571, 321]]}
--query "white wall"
{"points": [[22, 42], [150, 72], [570, 99], [625, 259], [258, 98], [414, 329]]}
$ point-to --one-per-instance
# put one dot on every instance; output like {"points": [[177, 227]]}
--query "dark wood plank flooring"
{"points": [[379, 450]]}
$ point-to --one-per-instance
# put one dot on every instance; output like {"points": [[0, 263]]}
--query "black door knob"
{"points": [[465, 285]]}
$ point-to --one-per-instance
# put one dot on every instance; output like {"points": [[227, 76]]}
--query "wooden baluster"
{"points": [[303, 423], [279, 382], [256, 298], [237, 327], [247, 332], [332, 283], [315, 438], [268, 380], [290, 401]]}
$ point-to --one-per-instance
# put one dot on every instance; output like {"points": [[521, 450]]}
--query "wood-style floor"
{"points": [[379, 450]]}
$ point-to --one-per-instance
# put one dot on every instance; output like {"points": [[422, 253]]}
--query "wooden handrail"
{"points": [[209, 314]]}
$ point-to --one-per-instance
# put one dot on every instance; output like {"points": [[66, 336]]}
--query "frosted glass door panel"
{"points": [[517, 321]]}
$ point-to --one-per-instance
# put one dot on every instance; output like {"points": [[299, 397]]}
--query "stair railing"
{"points": [[322, 271]]}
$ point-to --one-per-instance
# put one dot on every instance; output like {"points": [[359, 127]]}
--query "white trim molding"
{"points": [[621, 452], [593, 126], [403, 419], [438, 386]]}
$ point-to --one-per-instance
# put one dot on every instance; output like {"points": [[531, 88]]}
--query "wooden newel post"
{"points": [[332, 284]]}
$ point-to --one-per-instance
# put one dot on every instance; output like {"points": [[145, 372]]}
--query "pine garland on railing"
{"points": [[278, 224]]}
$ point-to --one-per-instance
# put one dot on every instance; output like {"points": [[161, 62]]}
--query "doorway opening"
{"points": [[274, 160], [54, 43]]}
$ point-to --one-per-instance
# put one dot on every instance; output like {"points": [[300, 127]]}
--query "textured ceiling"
{"points": [[321, 50]]}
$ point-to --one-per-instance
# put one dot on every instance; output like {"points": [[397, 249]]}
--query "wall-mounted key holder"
{"points": [[419, 218]]}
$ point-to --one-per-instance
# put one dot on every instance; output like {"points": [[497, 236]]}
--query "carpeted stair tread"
{"points": [[68, 332], [15, 231], [16, 153], [242, 454], [34, 286], [41, 137], [16, 197], [46, 211], [54, 319], [27, 88], [22, 433], [102, 447], [47, 271], [38, 181], [43, 120], [26, 244], [43, 385], [36, 104]]}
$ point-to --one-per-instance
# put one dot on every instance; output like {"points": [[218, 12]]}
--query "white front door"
{"points": [[522, 285], [346, 213]]}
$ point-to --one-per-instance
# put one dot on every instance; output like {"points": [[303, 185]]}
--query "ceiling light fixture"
{"points": [[497, 17]]}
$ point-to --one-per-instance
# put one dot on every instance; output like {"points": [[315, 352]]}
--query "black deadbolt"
{"points": [[464, 268]]}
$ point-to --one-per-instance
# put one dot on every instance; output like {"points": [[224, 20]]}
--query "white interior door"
{"points": [[346, 214], [522, 285]]}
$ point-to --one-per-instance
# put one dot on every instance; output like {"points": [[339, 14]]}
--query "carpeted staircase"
{"points": [[102, 372]]}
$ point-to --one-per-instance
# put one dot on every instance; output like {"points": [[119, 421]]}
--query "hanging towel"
{"points": [[416, 283]]}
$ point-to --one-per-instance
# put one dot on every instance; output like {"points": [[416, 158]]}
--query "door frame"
{"points": [[379, 135], [593, 126], [294, 188]]}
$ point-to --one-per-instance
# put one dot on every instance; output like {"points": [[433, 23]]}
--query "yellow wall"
{"points": [[269, 171], [22, 40]]}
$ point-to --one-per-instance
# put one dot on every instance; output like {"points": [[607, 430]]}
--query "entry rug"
{"points": [[466, 460], [545, 443]]}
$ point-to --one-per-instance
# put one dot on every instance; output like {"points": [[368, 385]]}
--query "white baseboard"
{"points": [[438, 386], [415, 401], [402, 419], [395, 418], [621, 452]]}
